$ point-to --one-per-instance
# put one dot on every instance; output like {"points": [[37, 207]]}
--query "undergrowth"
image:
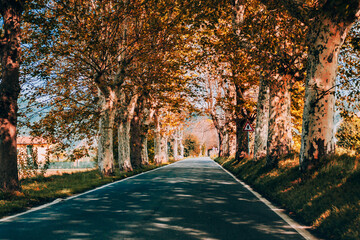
{"points": [[327, 198]]}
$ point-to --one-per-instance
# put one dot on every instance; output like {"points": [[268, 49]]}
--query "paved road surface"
{"points": [[191, 199]]}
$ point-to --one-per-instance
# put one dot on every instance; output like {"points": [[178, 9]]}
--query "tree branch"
{"points": [[295, 8]]}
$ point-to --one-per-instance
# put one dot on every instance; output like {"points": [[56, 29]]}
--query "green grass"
{"points": [[40, 190], [327, 198]]}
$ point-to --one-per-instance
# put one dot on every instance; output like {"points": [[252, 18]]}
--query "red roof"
{"points": [[30, 141]]}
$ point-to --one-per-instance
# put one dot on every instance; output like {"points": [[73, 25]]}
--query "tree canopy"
{"points": [[116, 72]]}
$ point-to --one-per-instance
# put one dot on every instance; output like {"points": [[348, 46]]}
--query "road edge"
{"points": [[56, 201], [280, 212]]}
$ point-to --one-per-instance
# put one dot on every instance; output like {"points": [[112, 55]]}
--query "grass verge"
{"points": [[40, 190], [327, 198]]}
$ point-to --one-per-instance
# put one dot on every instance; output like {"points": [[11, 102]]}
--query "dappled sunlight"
{"points": [[64, 191], [280, 228], [197, 234], [321, 218], [182, 201], [289, 163]]}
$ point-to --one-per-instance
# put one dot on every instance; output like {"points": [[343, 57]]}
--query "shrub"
{"points": [[348, 134]]}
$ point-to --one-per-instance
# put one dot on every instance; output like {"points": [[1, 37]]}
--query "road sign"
{"points": [[248, 127]]}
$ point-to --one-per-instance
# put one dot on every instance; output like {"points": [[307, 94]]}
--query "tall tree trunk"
{"points": [[124, 146], [164, 153], [157, 140], [279, 130], [136, 142], [144, 150], [181, 149], [127, 114], [226, 144], [232, 142], [106, 127], [262, 121], [223, 134], [176, 149], [317, 139], [241, 139], [221, 145], [242, 116], [9, 91]]}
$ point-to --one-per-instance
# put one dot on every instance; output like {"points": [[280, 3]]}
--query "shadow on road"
{"points": [[192, 199]]}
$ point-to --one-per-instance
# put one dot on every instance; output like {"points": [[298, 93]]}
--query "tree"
{"points": [[219, 99], [191, 146], [112, 61], [328, 22], [348, 134], [11, 12], [274, 46]]}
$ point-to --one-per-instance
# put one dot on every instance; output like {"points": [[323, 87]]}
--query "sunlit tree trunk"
{"points": [[164, 152], [226, 144], [181, 150], [317, 139], [157, 140], [124, 146], [279, 129], [106, 127], [9, 91], [126, 117], [176, 145], [144, 150], [262, 121]]}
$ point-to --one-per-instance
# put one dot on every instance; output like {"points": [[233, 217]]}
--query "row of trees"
{"points": [[112, 69], [118, 68], [270, 47]]}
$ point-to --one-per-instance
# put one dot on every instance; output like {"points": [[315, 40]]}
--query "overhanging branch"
{"points": [[297, 9]]}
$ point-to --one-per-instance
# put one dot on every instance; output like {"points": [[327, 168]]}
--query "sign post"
{"points": [[248, 128]]}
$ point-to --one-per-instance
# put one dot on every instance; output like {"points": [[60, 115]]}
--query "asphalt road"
{"points": [[191, 199]]}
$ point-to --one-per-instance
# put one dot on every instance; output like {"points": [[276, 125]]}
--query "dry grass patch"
{"points": [[327, 198]]}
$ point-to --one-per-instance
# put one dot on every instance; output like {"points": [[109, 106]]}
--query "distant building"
{"points": [[33, 147]]}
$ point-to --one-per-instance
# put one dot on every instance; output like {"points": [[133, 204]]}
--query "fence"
{"points": [[71, 165]]}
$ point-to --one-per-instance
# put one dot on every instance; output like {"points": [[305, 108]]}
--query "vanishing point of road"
{"points": [[190, 199]]}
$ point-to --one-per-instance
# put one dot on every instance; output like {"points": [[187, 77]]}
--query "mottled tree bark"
{"points": [[144, 150], [124, 146], [279, 130], [139, 128], [262, 121], [317, 139], [106, 128], [176, 149], [11, 12], [126, 117], [164, 153], [157, 140], [328, 22], [181, 150]]}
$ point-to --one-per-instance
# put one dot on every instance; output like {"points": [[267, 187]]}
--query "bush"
{"points": [[348, 134]]}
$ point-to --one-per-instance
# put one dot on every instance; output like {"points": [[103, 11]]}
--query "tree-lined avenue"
{"points": [[191, 199]]}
